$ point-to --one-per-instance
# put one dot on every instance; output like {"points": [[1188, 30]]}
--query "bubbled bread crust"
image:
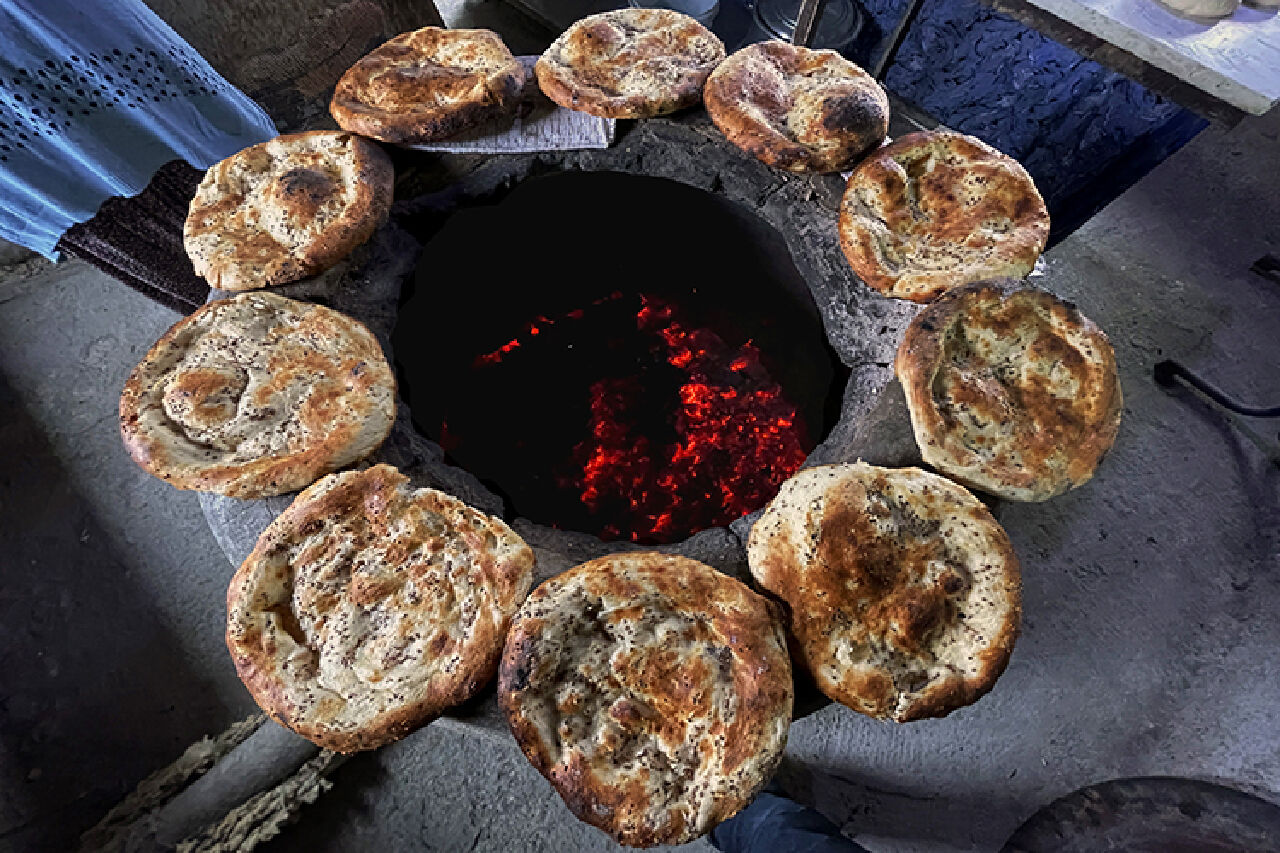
{"points": [[428, 84], [904, 593], [797, 109], [1010, 389], [257, 395], [286, 208], [934, 210], [652, 691], [629, 63], [368, 608]]}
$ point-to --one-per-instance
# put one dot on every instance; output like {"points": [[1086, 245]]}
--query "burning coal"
{"points": [[736, 436]]}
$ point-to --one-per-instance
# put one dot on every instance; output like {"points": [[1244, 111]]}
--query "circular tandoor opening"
{"points": [[619, 355]]}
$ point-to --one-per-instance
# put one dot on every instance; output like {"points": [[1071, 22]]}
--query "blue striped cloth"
{"points": [[94, 97]]}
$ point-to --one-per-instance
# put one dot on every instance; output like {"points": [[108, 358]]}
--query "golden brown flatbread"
{"points": [[652, 691], [429, 84], [904, 592], [935, 210], [629, 63], [798, 109], [257, 395], [286, 209], [368, 608], [1011, 390]]}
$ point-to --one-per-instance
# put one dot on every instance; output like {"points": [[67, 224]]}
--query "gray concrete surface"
{"points": [[111, 604], [11, 253], [1164, 571], [1150, 593]]}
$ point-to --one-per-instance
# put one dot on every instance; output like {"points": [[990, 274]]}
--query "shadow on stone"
{"points": [[95, 692], [344, 805]]}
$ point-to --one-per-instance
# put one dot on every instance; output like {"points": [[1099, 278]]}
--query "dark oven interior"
{"points": [[620, 355]]}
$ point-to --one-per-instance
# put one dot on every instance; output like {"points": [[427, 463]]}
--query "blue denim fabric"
{"points": [[774, 824], [94, 97]]}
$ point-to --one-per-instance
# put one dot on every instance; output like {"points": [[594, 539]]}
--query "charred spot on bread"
{"points": [[629, 63], [653, 693], [286, 208], [368, 607], [904, 592]]}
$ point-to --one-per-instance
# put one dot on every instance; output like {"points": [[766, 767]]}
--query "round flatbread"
{"points": [[904, 592], [935, 210], [286, 209], [629, 63], [257, 395], [368, 608], [652, 691], [798, 109], [1010, 389], [428, 84]]}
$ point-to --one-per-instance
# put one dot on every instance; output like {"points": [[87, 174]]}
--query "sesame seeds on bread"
{"points": [[934, 210], [286, 209], [369, 607], [797, 109], [257, 395], [428, 84], [629, 63], [1010, 389], [904, 593], [653, 692]]}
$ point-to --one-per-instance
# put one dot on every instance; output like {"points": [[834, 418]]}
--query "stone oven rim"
{"points": [[861, 326]]}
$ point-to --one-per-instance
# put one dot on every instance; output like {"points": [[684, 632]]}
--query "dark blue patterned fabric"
{"points": [[1085, 133]]}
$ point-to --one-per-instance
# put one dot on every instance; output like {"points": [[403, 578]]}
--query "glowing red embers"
{"points": [[736, 436], [738, 439], [535, 328]]}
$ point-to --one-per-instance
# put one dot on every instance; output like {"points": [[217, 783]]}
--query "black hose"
{"points": [[1167, 372]]}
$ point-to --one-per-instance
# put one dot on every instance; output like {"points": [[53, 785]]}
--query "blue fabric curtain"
{"points": [[95, 95]]}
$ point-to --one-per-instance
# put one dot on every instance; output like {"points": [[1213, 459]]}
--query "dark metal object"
{"points": [[835, 23], [896, 38], [1168, 372], [1151, 815], [905, 117], [807, 22], [1122, 61]]}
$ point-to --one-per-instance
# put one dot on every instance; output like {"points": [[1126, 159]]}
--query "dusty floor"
{"points": [[1165, 570]]}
